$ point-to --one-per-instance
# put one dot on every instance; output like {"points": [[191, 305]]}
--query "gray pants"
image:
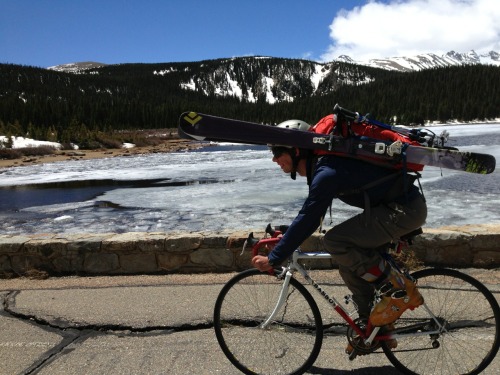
{"points": [[353, 243]]}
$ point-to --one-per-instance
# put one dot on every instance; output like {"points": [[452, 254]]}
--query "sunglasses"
{"points": [[278, 151]]}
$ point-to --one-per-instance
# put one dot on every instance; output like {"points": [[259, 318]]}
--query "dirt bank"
{"points": [[174, 145]]}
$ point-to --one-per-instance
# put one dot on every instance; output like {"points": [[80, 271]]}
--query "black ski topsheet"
{"points": [[203, 127]]}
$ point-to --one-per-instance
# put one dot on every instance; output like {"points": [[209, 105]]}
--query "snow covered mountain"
{"points": [[403, 64], [77, 68], [277, 80], [272, 80], [267, 79], [428, 61]]}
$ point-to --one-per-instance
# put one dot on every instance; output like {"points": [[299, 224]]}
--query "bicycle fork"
{"points": [[281, 300]]}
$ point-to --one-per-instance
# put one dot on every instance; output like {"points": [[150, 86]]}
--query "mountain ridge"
{"points": [[429, 61], [273, 80], [399, 63]]}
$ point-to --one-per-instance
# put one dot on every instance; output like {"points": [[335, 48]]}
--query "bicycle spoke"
{"points": [[469, 318], [288, 345]]}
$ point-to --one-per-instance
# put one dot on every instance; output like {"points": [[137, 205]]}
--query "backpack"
{"points": [[347, 124]]}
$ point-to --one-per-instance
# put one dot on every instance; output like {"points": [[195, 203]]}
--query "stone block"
{"points": [[212, 259], [69, 264], [236, 242], [434, 237], [12, 244], [183, 243], [5, 265], [486, 259], [23, 263], [18, 264], [152, 243], [454, 256], [47, 247], [241, 261], [101, 263], [214, 240], [123, 243], [136, 263], [132, 243], [171, 261], [86, 243], [484, 241]]}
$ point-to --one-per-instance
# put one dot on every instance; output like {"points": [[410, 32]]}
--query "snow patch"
{"points": [[63, 218], [21, 142]]}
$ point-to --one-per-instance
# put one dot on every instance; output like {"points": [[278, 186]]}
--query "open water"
{"points": [[226, 187]]}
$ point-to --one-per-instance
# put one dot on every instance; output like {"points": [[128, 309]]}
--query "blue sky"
{"points": [[51, 32]]}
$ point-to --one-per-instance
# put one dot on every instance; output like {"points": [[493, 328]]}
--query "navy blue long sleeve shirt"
{"points": [[332, 176]]}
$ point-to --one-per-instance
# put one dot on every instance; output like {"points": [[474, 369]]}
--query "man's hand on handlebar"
{"points": [[261, 262]]}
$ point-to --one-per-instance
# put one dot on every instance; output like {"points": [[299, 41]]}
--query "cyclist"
{"points": [[392, 207]]}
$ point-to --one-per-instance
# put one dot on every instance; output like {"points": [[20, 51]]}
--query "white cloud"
{"points": [[409, 27]]}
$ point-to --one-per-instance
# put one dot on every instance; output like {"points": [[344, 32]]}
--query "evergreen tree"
{"points": [[48, 104]]}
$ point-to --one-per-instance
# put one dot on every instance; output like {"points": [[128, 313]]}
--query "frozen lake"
{"points": [[225, 187]]}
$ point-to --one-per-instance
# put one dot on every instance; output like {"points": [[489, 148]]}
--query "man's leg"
{"points": [[353, 243], [362, 291]]}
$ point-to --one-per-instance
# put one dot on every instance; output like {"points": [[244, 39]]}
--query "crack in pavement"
{"points": [[74, 333], [9, 301]]}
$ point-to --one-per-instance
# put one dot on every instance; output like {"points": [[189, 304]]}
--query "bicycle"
{"points": [[269, 323]]}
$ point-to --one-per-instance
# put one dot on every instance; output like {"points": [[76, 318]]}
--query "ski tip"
{"points": [[481, 163], [191, 118], [182, 134], [187, 122]]}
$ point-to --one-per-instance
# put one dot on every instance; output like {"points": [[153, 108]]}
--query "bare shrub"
{"points": [[9, 154], [108, 141], [37, 151], [16, 153]]}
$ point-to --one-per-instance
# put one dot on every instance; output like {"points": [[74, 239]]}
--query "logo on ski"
{"points": [[193, 118]]}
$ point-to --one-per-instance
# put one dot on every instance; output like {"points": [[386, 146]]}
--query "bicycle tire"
{"points": [[472, 319], [292, 342]]}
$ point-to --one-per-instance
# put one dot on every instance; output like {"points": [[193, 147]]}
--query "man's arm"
{"points": [[322, 190]]}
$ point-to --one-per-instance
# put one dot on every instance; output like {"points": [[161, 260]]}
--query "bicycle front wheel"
{"points": [[456, 331], [289, 344]]}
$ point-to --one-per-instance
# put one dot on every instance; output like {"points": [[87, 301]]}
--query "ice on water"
{"points": [[230, 187]]}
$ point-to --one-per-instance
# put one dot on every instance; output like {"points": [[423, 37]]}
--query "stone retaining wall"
{"points": [[132, 253]]}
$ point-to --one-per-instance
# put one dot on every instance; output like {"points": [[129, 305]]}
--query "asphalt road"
{"points": [[142, 325]]}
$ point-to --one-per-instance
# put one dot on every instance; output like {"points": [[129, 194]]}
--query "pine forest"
{"points": [[67, 107]]}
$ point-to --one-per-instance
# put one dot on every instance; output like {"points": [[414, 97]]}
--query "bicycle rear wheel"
{"points": [[467, 317], [288, 345]]}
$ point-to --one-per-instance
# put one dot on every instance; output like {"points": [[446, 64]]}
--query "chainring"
{"points": [[357, 342]]}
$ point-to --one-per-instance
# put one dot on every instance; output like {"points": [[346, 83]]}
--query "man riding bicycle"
{"points": [[392, 207]]}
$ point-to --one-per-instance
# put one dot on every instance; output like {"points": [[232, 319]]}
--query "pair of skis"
{"points": [[203, 127]]}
